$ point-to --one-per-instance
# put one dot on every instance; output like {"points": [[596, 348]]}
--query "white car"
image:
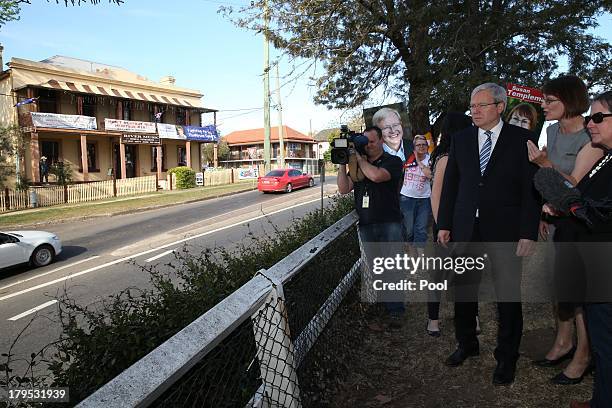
{"points": [[38, 248]]}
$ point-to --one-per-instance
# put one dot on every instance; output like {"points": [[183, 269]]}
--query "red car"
{"points": [[284, 180]]}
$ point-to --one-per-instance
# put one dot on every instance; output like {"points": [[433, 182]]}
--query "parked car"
{"points": [[39, 248], [284, 180]]}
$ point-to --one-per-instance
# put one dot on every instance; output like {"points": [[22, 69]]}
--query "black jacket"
{"points": [[508, 205]]}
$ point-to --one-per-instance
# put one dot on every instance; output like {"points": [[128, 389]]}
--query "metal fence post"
{"points": [[275, 352]]}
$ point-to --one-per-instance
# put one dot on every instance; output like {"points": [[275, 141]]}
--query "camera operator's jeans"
{"points": [[416, 212], [385, 232]]}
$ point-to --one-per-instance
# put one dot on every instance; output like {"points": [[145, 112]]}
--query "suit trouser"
{"points": [[599, 324], [505, 269]]}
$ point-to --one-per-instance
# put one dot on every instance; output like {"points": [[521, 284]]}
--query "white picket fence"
{"points": [[76, 193]]}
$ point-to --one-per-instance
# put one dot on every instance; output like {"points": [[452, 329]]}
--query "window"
{"points": [[50, 150], [127, 110], [92, 157], [47, 100], [154, 157], [180, 116], [89, 106], [295, 146], [182, 156]]}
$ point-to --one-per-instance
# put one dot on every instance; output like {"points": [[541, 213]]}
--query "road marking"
{"points": [[160, 255], [54, 270], [180, 241], [34, 309]]}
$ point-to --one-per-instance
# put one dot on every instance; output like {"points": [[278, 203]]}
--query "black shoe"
{"points": [[504, 373], [562, 379], [552, 363], [460, 355]]}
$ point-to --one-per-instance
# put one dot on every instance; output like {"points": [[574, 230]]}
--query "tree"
{"points": [[10, 9], [432, 53], [223, 151], [12, 144]]}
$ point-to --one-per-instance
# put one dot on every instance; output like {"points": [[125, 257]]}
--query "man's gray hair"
{"points": [[382, 113], [497, 92]]}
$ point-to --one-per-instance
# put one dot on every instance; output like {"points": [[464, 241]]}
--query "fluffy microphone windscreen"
{"points": [[556, 189]]}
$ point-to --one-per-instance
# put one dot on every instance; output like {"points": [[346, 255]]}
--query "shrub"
{"points": [[62, 172], [99, 341], [185, 177]]}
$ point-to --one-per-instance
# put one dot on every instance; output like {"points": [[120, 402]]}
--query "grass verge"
{"points": [[118, 205]]}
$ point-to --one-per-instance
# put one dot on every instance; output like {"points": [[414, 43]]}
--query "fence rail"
{"points": [[76, 193], [181, 371]]}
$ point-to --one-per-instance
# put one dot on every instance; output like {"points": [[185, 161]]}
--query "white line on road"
{"points": [[180, 241], [160, 255], [54, 270], [34, 309]]}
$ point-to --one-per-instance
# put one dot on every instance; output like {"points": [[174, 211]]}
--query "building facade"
{"points": [[247, 149], [101, 121]]}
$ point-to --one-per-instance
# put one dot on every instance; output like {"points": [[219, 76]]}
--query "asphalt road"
{"points": [[103, 256]]}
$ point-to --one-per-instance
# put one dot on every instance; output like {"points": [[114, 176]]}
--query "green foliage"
{"points": [[99, 341], [431, 53], [185, 177], [223, 151], [62, 172], [22, 183]]}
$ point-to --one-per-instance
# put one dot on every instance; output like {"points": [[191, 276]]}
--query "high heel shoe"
{"points": [[562, 379], [552, 363]]}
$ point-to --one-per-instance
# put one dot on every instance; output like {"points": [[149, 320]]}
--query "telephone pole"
{"points": [[281, 130], [266, 80]]}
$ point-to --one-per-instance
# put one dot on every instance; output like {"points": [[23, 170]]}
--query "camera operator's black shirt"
{"points": [[384, 197]]}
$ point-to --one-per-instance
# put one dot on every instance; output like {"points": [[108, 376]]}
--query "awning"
{"points": [[112, 84], [117, 93]]}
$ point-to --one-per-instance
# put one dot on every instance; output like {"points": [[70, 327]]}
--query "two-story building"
{"points": [[247, 149], [101, 120]]}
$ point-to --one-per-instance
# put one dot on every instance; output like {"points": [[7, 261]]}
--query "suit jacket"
{"points": [[508, 204]]}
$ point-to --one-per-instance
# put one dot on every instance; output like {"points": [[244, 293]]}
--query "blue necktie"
{"points": [[485, 153]]}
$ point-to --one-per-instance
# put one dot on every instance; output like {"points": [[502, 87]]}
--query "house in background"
{"points": [[322, 139], [247, 147], [101, 119]]}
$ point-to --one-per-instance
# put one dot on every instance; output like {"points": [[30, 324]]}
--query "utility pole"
{"points": [[266, 81], [281, 130]]}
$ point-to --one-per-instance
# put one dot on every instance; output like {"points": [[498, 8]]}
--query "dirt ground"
{"points": [[404, 367]]}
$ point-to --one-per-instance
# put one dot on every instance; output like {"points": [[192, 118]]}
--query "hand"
{"points": [[537, 156], [550, 210], [525, 247], [444, 237], [544, 230]]}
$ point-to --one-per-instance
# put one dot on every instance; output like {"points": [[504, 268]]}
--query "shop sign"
{"points": [[140, 138], [200, 134], [131, 126], [59, 121], [167, 131]]}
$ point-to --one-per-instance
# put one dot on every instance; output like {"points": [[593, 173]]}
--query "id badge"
{"points": [[365, 203]]}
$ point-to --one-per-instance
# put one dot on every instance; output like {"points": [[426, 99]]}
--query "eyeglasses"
{"points": [[395, 126], [549, 101], [481, 105], [596, 118]]}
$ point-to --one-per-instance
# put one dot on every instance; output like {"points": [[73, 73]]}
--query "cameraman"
{"points": [[377, 196]]}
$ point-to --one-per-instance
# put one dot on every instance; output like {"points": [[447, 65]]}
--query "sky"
{"points": [[187, 39]]}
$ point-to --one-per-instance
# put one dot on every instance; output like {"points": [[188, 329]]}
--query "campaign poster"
{"points": [[524, 107]]}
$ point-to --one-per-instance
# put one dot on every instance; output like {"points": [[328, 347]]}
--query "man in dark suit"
{"points": [[488, 197]]}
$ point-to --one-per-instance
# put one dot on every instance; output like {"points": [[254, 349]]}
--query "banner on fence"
{"points": [[200, 134], [199, 179], [140, 138], [131, 126], [250, 173], [59, 121]]}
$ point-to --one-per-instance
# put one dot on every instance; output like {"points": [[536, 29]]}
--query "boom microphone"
{"points": [[560, 193]]}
